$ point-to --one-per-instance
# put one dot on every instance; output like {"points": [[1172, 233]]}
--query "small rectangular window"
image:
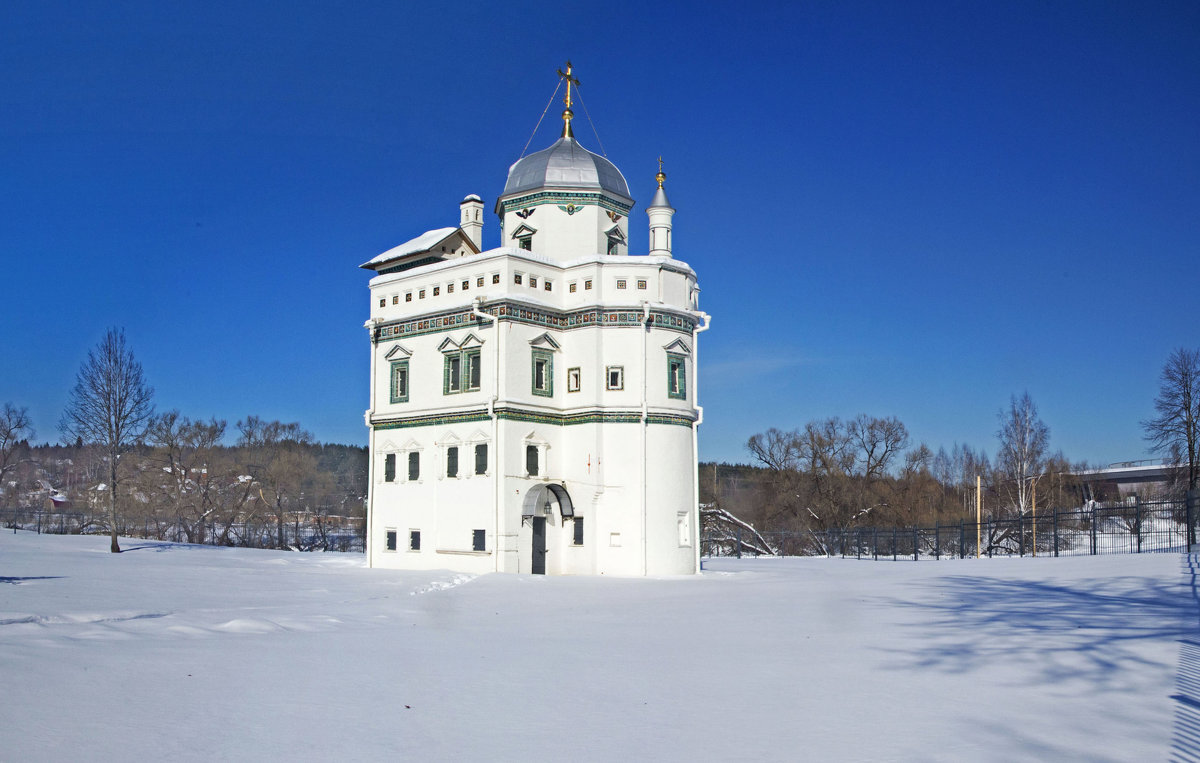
{"points": [[571, 287], [421, 294], [620, 283], [543, 373], [466, 284], [383, 302], [408, 297], [526, 243], [437, 290], [578, 528], [479, 282], [676, 376], [395, 299], [452, 461], [495, 278], [452, 382], [548, 285], [641, 283], [587, 284], [517, 278], [389, 467], [616, 377], [477, 540], [473, 370], [531, 460], [573, 380], [414, 540], [389, 543], [533, 282], [481, 458], [684, 522], [414, 466], [399, 389], [450, 288]]}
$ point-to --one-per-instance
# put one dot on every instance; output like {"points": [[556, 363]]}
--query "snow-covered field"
{"points": [[191, 652]]}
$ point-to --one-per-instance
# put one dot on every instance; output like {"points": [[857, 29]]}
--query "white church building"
{"points": [[533, 406]]}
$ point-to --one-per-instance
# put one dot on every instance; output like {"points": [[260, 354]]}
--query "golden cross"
{"points": [[660, 162], [570, 80]]}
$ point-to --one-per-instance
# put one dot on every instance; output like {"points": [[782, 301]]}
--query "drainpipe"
{"points": [[370, 529], [645, 432], [695, 438], [491, 409]]}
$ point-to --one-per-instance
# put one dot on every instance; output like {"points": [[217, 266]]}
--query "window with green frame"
{"points": [[399, 385], [543, 373], [676, 376], [462, 371]]}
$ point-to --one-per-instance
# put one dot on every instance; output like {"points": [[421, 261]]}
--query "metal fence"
{"points": [[307, 532], [1127, 528]]}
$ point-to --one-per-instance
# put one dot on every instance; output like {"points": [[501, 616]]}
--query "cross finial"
{"points": [[661, 176], [567, 113]]}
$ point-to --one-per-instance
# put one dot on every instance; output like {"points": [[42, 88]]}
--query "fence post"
{"points": [[1093, 531], [1056, 532], [875, 543], [962, 539], [739, 543], [1137, 521], [39, 516], [1193, 498], [937, 541], [989, 538], [858, 546], [894, 543], [1020, 534], [916, 542]]}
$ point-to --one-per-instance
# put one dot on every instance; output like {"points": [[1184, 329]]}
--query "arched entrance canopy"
{"points": [[540, 496]]}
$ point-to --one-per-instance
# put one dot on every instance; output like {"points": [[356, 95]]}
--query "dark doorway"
{"points": [[539, 545]]}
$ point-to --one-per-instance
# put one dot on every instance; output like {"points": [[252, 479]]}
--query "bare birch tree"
{"points": [[15, 426], [1024, 438], [109, 407], [1175, 431]]}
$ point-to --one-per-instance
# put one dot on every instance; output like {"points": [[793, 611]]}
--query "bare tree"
{"points": [[281, 463], [15, 426], [1175, 431], [878, 442], [1023, 441], [187, 447], [109, 407]]}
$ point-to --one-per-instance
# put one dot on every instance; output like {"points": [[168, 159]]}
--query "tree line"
{"points": [[123, 464], [836, 475]]}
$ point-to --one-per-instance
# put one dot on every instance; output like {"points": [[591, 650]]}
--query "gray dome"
{"points": [[566, 164]]}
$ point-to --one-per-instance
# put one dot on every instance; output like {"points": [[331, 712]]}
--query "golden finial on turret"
{"points": [[661, 176], [567, 113]]}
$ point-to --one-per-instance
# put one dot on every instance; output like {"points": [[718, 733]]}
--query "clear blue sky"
{"points": [[908, 209]]}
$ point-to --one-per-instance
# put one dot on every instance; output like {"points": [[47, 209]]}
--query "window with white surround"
{"points": [[414, 540], [389, 539], [478, 540], [414, 466], [684, 523], [543, 373], [614, 377], [577, 539], [452, 461], [573, 380], [389, 467]]}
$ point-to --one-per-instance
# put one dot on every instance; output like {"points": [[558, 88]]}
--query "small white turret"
{"points": [[471, 219], [660, 213]]}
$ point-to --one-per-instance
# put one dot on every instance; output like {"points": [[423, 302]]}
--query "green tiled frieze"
{"points": [[564, 197], [537, 417], [552, 319]]}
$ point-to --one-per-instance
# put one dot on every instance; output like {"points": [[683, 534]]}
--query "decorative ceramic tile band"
{"points": [[537, 417], [564, 197], [532, 316]]}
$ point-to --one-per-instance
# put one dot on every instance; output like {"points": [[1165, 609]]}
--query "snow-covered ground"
{"points": [[192, 652]]}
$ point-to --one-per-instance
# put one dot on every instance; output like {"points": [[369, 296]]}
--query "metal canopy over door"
{"points": [[539, 545]]}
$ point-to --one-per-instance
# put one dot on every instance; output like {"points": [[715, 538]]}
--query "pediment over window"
{"points": [[398, 352], [387, 447], [449, 438], [412, 445], [478, 436], [470, 340], [614, 233], [678, 346], [545, 342], [523, 230], [533, 439]]}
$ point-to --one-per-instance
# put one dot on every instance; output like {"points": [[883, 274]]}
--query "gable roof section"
{"points": [[423, 244]]}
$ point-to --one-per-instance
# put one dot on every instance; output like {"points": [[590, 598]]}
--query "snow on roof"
{"points": [[421, 243]]}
